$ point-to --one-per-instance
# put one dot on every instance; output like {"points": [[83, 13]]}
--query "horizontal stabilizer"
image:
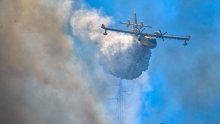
{"points": [[141, 25], [128, 23]]}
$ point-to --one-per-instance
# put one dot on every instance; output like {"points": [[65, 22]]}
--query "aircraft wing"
{"points": [[178, 38], [116, 30], [168, 37]]}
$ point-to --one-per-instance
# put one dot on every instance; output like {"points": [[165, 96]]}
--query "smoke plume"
{"points": [[116, 54], [50, 74], [41, 81], [114, 50]]}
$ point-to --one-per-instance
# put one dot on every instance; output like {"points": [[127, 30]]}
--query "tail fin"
{"points": [[134, 18], [134, 22]]}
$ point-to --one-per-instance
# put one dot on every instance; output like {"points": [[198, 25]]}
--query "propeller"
{"points": [[161, 34], [140, 31], [141, 25]]}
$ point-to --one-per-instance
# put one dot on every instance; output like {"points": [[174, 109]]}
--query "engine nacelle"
{"points": [[157, 33]]}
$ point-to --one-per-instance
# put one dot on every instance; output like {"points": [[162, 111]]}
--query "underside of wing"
{"points": [[116, 30]]}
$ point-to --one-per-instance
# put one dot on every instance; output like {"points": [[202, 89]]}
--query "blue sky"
{"points": [[185, 80]]}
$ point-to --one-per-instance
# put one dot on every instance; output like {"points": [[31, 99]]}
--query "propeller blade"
{"points": [[143, 30], [161, 34], [164, 33], [160, 31], [138, 29], [141, 25]]}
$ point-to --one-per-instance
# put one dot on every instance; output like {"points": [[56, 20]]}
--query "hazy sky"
{"points": [[185, 80]]}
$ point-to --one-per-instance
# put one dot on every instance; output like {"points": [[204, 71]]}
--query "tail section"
{"points": [[134, 23]]}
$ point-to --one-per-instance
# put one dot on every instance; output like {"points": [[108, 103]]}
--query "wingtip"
{"points": [[185, 43], [189, 37], [103, 26]]}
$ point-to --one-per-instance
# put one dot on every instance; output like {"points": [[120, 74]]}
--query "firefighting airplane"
{"points": [[146, 39]]}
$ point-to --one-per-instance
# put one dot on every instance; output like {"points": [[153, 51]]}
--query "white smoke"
{"points": [[119, 54], [41, 80], [48, 76]]}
